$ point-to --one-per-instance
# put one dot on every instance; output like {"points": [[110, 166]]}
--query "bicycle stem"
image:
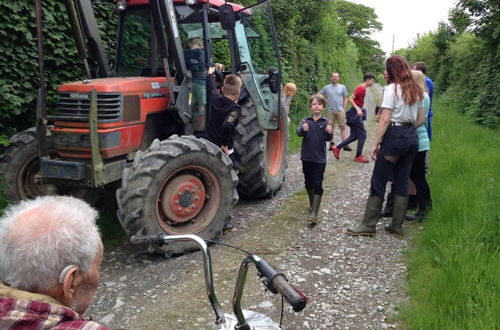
{"points": [[207, 262], [238, 291]]}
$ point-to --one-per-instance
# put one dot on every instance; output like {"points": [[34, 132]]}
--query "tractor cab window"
{"points": [[255, 39], [134, 52], [259, 66]]}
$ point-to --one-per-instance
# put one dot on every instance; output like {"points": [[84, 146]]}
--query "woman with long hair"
{"points": [[394, 146], [417, 173]]}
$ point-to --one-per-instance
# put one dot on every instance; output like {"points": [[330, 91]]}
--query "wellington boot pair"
{"points": [[316, 202], [424, 206], [398, 215], [370, 218]]}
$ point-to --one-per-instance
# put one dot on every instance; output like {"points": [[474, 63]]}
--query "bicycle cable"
{"points": [[228, 245]]}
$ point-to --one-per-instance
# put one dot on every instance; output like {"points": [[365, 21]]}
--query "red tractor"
{"points": [[130, 123]]}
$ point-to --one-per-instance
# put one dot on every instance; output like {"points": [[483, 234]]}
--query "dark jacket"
{"points": [[223, 117], [195, 61], [313, 142]]}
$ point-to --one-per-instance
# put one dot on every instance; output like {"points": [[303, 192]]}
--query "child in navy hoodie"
{"points": [[315, 130]]}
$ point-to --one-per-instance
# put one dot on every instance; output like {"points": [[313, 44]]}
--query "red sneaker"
{"points": [[336, 152], [361, 159]]}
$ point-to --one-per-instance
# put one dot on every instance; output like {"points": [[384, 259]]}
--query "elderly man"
{"points": [[50, 256]]}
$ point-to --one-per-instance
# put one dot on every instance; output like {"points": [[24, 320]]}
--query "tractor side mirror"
{"points": [[227, 17], [274, 81]]}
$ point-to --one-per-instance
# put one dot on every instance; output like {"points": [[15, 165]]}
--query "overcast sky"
{"points": [[404, 19]]}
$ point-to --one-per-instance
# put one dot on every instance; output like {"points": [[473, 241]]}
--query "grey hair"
{"points": [[40, 237]]}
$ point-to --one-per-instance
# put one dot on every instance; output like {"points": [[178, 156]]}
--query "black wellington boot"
{"points": [[424, 206], [370, 218], [316, 202], [398, 215]]}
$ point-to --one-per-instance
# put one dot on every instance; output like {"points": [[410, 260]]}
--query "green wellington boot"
{"points": [[316, 202], [310, 193], [370, 218], [398, 215]]}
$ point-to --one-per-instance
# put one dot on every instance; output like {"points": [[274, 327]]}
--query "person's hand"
{"points": [[359, 112], [225, 149], [329, 129], [305, 126], [374, 151], [211, 70]]}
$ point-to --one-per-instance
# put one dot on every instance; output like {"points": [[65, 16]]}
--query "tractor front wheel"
{"points": [[182, 185]]}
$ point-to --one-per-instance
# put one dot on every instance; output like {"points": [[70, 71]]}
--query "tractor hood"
{"points": [[116, 85]]}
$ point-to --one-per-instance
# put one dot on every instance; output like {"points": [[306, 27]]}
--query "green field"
{"points": [[454, 267]]}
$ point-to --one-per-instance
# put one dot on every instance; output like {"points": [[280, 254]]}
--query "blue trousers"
{"points": [[358, 131]]}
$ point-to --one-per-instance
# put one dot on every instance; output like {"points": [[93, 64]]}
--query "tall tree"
{"points": [[361, 22]]}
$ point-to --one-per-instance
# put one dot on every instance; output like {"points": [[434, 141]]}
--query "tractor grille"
{"points": [[72, 106]]}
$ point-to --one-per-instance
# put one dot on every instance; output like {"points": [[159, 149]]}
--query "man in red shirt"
{"points": [[355, 117]]}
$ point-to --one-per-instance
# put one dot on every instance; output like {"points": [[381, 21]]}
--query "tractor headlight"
{"points": [[191, 2]]}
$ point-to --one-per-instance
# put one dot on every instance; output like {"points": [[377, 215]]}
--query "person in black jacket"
{"points": [[225, 111], [195, 62], [315, 130]]}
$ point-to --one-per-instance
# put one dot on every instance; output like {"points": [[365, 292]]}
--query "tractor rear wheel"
{"points": [[182, 185], [20, 167], [262, 154]]}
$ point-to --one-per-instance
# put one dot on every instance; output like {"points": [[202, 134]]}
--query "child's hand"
{"points": [[305, 126], [329, 129]]}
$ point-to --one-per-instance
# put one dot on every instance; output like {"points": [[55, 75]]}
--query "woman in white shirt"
{"points": [[394, 146]]}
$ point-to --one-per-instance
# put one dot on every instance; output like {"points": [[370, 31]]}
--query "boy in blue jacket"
{"points": [[315, 130]]}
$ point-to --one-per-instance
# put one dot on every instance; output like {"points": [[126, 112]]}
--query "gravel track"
{"points": [[352, 282]]}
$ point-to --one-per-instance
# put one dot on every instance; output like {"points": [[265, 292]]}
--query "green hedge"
{"points": [[313, 42]]}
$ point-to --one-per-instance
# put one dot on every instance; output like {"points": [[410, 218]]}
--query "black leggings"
{"points": [[313, 175], [402, 142], [417, 175]]}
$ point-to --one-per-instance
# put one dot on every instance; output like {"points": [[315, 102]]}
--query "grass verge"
{"points": [[454, 268]]}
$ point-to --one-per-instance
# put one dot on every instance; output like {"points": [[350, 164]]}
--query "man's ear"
{"points": [[70, 282]]}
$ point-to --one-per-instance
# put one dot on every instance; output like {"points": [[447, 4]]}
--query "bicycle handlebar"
{"points": [[158, 240], [278, 283], [292, 296]]}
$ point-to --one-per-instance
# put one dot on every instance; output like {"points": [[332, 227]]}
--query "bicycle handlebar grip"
{"points": [[294, 298], [148, 239]]}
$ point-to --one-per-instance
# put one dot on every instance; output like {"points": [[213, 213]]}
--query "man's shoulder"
{"points": [[47, 315]]}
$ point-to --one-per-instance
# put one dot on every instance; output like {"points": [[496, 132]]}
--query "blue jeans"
{"points": [[358, 131], [402, 143]]}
